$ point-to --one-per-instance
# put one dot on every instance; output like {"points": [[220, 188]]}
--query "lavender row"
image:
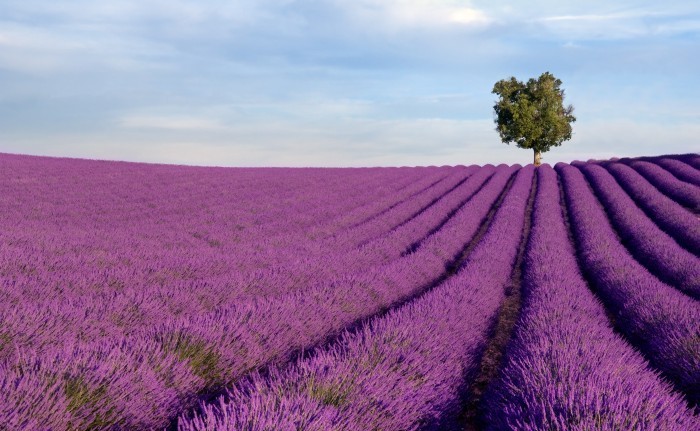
{"points": [[52, 249], [384, 196], [339, 255], [661, 321], [677, 221], [71, 263], [683, 166], [43, 278], [267, 192], [407, 237], [303, 320], [681, 170], [139, 391], [417, 214], [400, 372], [375, 208], [391, 245], [685, 194], [660, 253], [405, 211], [79, 214], [565, 368], [691, 159]]}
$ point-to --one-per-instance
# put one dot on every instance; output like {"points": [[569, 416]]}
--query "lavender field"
{"points": [[159, 297]]}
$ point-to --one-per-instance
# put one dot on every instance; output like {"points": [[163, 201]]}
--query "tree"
{"points": [[532, 114]]}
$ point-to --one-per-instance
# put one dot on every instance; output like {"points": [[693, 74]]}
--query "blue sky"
{"points": [[339, 82]]}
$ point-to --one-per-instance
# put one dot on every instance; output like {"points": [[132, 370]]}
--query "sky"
{"points": [[340, 82]]}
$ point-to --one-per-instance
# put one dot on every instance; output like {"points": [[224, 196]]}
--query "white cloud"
{"points": [[468, 16], [130, 10], [594, 27], [593, 17], [333, 82], [30, 37], [351, 142], [35, 49], [622, 23], [170, 123], [678, 27], [396, 15]]}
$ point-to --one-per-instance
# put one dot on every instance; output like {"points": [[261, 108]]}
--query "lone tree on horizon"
{"points": [[532, 114]]}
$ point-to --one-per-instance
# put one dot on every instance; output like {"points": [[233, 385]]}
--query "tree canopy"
{"points": [[533, 114]]}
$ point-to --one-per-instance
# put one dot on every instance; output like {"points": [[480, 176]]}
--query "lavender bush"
{"points": [[677, 221], [685, 194], [132, 293], [660, 253], [680, 169], [576, 374], [663, 322], [400, 372]]}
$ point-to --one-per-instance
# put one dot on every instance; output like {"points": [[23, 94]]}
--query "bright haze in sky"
{"points": [[339, 82]]}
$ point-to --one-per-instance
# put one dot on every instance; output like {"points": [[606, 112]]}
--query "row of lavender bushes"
{"points": [[591, 389], [577, 373], [403, 371], [82, 323], [659, 319], [658, 251], [680, 191], [675, 220], [110, 323], [189, 351]]}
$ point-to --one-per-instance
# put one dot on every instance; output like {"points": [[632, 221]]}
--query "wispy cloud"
{"points": [[432, 13], [399, 15], [171, 123], [633, 22], [689, 25], [319, 82], [604, 17], [36, 49]]}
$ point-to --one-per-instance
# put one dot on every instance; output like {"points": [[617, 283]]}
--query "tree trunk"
{"points": [[538, 158]]}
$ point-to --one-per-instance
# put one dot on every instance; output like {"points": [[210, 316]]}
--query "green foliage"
{"points": [[5, 340], [203, 359], [88, 403], [329, 394], [532, 114]]}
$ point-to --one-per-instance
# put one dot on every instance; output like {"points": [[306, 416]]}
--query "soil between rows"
{"points": [[508, 314], [451, 268]]}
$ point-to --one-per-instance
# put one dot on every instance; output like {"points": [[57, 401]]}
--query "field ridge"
{"points": [[138, 296]]}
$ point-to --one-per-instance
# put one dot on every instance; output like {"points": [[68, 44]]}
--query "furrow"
{"points": [[691, 159], [288, 328], [685, 194], [680, 170], [413, 194], [674, 219], [656, 318], [652, 247], [415, 212], [565, 367], [492, 358], [469, 194], [401, 371], [391, 246]]}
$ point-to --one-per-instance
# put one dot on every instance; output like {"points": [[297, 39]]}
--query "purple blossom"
{"points": [[576, 374], [339, 299], [684, 193], [658, 319], [660, 253], [674, 219]]}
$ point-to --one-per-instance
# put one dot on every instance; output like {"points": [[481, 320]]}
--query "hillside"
{"points": [[141, 296]]}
